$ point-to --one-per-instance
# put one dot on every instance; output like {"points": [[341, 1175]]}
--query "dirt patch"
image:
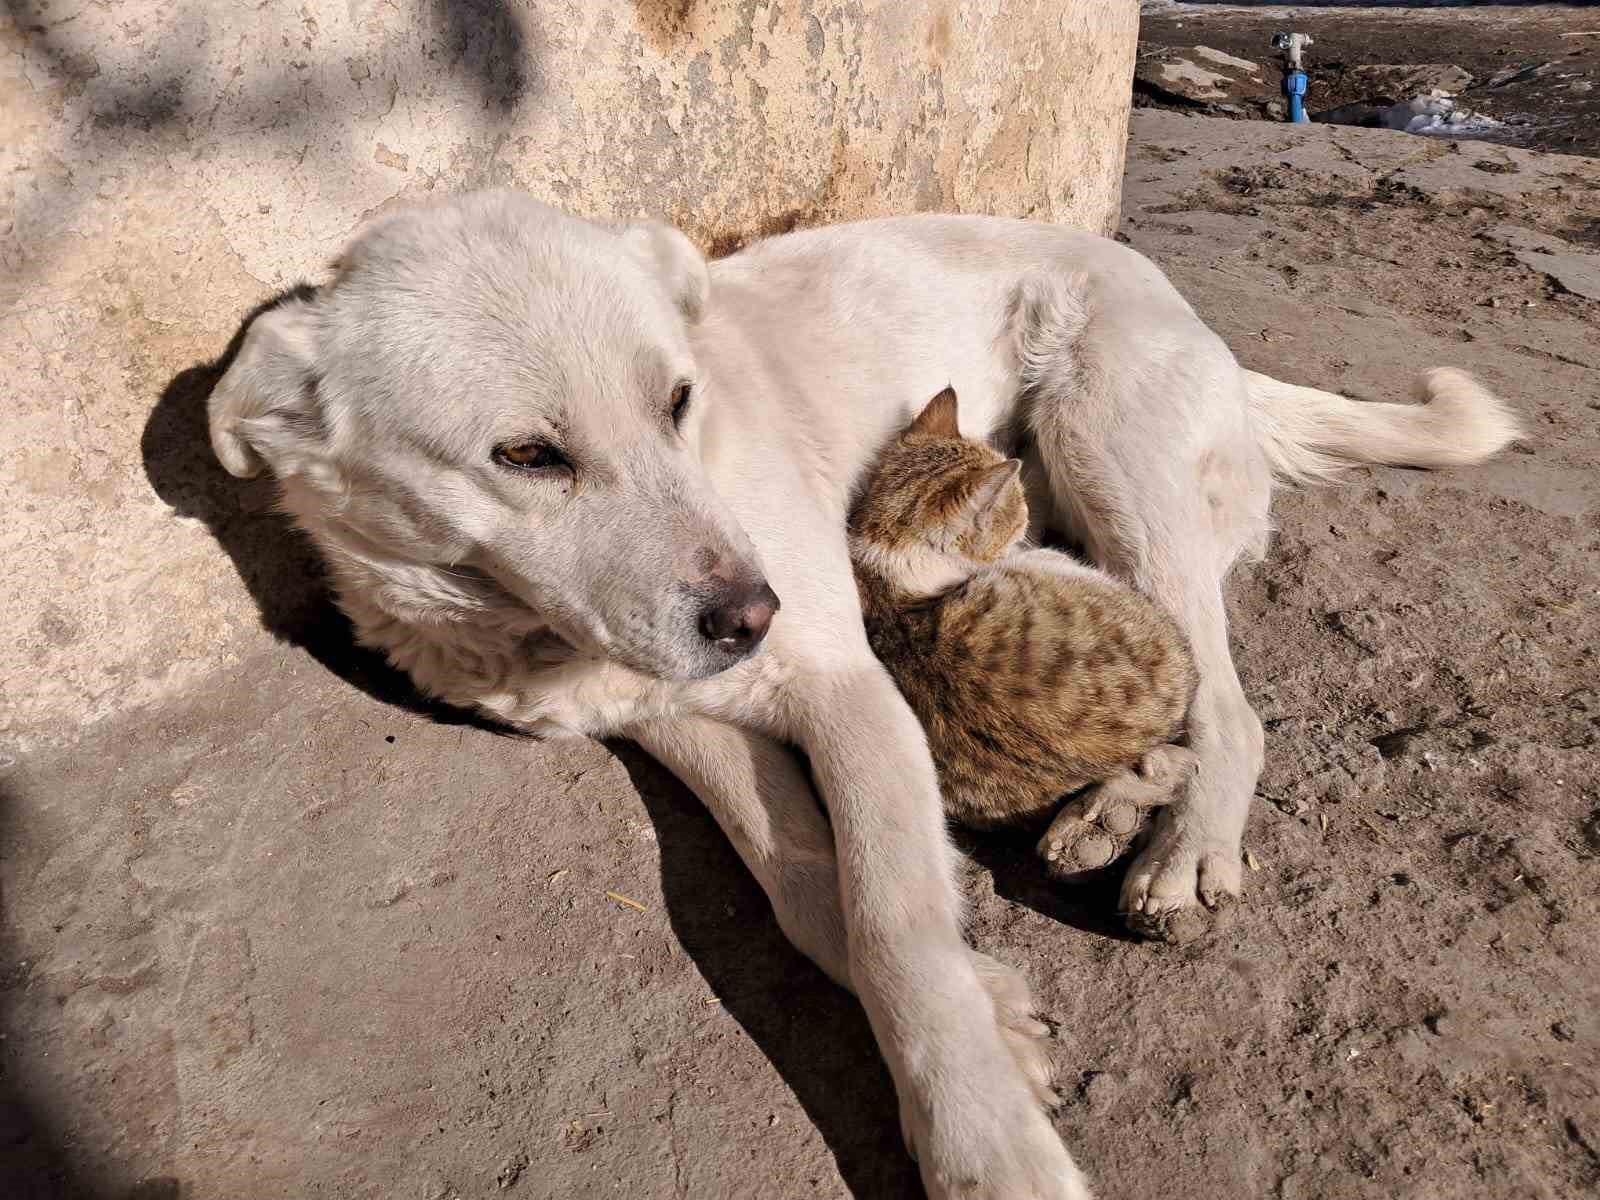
{"points": [[1447, 244], [1554, 105]]}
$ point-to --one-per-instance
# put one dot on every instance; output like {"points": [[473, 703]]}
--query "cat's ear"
{"points": [[987, 492], [939, 417]]}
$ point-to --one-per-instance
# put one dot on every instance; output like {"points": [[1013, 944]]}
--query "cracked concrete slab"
{"points": [[1575, 270]]}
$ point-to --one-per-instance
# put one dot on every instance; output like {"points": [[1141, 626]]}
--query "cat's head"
{"points": [[937, 507]]}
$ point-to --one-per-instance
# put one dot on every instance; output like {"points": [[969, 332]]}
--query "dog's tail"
{"points": [[1310, 435]]}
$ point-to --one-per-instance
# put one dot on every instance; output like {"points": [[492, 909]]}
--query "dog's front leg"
{"points": [[968, 1107], [762, 799]]}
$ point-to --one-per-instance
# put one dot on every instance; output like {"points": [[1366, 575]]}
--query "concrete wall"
{"points": [[168, 163]]}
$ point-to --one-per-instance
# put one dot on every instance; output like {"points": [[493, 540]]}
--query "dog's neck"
{"points": [[456, 643]]}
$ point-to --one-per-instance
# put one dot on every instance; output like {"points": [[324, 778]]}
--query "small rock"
{"points": [[1561, 1031], [1414, 79], [511, 1171], [1200, 75]]}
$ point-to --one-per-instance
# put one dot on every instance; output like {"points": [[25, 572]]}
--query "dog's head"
{"points": [[492, 394]]}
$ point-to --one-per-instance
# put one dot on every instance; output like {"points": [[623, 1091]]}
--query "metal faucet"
{"points": [[1293, 46]]}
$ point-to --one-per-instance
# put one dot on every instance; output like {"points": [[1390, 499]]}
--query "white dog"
{"points": [[564, 472]]}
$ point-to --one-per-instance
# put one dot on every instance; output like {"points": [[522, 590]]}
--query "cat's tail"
{"points": [[1310, 435]]}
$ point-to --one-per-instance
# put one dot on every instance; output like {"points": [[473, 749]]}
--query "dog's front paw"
{"points": [[976, 1122]]}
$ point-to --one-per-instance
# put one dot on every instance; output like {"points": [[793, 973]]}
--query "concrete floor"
{"points": [[272, 929]]}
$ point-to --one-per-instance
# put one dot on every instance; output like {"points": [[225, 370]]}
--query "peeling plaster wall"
{"points": [[166, 164]]}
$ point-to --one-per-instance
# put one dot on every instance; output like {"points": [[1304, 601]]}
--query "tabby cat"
{"points": [[1033, 674]]}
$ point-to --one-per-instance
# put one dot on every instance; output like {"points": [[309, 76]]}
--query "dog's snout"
{"points": [[739, 619]]}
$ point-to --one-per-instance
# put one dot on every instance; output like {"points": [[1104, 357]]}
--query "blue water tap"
{"points": [[1293, 46], [1294, 87]]}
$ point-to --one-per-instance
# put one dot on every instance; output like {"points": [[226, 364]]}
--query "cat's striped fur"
{"points": [[1032, 674]]}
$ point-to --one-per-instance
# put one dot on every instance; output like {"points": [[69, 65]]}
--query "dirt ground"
{"points": [[1558, 109], [296, 937]]}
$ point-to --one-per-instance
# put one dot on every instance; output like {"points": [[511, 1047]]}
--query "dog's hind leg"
{"points": [[1191, 862], [1141, 425]]}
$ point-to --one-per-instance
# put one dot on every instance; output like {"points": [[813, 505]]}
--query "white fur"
{"points": [[1311, 435], [566, 600]]}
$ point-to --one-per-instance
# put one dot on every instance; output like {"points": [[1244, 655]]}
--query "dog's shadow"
{"points": [[1020, 877], [273, 559], [813, 1032]]}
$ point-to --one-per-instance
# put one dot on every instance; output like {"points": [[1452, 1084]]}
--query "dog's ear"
{"points": [[674, 259], [264, 409], [940, 417]]}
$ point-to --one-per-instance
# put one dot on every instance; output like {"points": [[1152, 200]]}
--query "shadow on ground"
{"points": [[812, 1031], [1019, 876], [36, 1160]]}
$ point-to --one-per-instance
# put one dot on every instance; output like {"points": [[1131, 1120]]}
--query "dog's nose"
{"points": [[739, 622]]}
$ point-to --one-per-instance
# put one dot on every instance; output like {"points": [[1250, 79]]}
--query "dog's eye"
{"points": [[531, 456], [680, 402]]}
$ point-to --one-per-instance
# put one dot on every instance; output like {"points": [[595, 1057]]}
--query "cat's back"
{"points": [[1066, 656]]}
